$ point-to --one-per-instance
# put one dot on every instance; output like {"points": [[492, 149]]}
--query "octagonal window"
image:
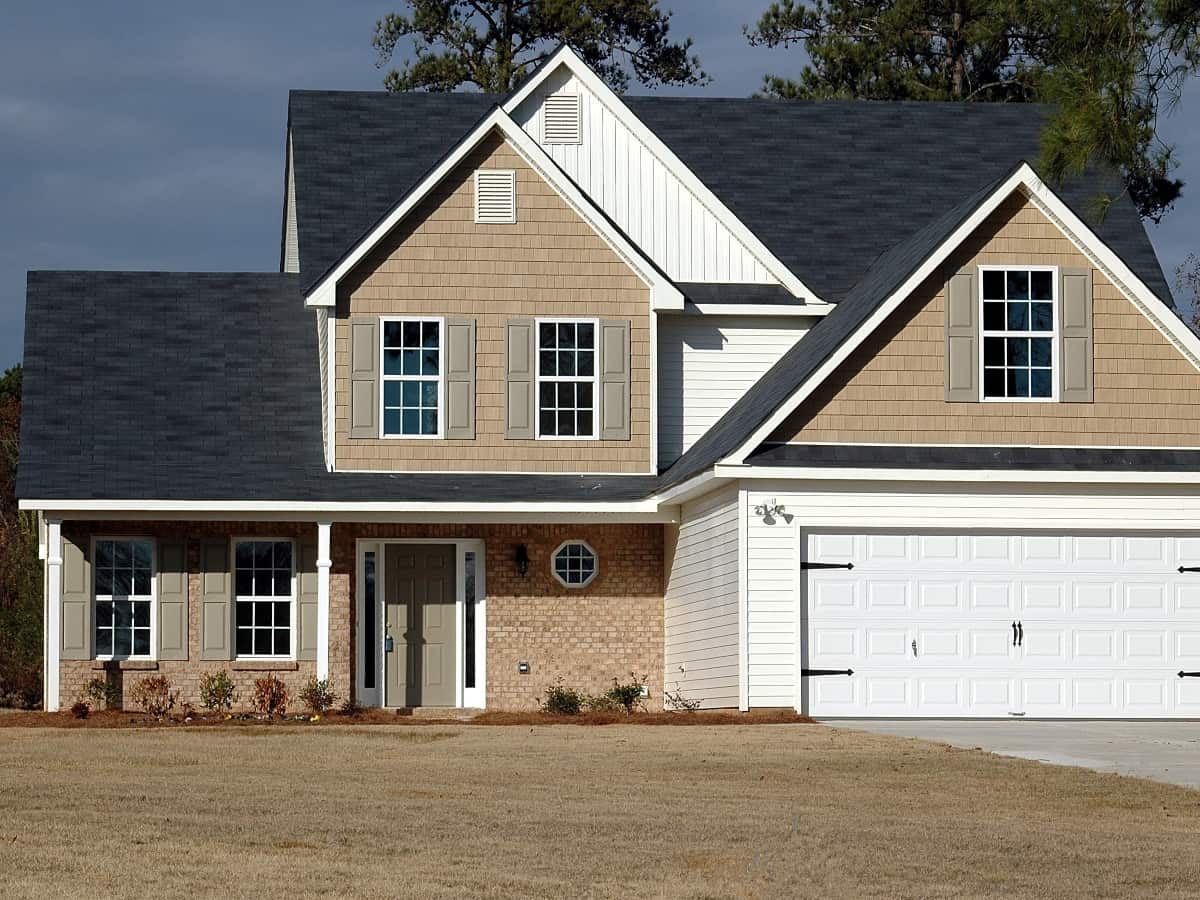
{"points": [[574, 564]]}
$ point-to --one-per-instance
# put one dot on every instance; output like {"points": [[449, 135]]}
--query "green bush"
{"points": [[676, 700], [103, 692], [80, 709], [217, 691], [154, 695], [561, 700], [627, 695], [318, 694], [603, 703]]}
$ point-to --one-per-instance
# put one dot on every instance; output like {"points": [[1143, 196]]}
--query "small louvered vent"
{"points": [[495, 196], [560, 119]]}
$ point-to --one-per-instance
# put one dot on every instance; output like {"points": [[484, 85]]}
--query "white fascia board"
{"points": [[663, 293], [341, 508], [1026, 180], [565, 56], [1017, 476], [758, 309]]}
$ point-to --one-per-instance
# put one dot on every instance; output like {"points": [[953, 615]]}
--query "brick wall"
{"points": [[892, 388], [588, 636], [549, 263], [610, 628]]}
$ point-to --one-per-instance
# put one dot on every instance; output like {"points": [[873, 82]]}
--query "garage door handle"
{"points": [[1020, 634], [1014, 634], [1183, 674]]}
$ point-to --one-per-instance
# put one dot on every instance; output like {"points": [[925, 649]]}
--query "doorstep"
{"points": [[437, 712]]}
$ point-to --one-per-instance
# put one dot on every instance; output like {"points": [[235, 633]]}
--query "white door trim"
{"points": [[469, 697]]}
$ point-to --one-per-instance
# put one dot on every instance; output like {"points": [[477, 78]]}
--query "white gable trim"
{"points": [[1025, 180], [663, 294], [565, 56]]}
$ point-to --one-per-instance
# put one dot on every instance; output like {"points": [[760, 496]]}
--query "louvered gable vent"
{"points": [[495, 196], [560, 119]]}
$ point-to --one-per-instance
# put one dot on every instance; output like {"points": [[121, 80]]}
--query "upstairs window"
{"points": [[264, 594], [124, 586], [561, 119], [412, 377], [566, 378], [1019, 322], [495, 197]]}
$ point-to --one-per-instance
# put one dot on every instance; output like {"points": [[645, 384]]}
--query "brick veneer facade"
{"points": [[588, 636]]}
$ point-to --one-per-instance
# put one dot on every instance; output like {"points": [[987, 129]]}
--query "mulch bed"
{"points": [[124, 719]]}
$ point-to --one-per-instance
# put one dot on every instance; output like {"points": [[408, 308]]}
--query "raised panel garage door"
{"points": [[988, 625]]}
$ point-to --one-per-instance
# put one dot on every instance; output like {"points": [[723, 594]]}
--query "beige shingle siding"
{"points": [[550, 263], [891, 389]]}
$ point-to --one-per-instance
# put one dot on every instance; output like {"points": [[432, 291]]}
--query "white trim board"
{"points": [[565, 57], [969, 476], [663, 294], [1025, 180]]}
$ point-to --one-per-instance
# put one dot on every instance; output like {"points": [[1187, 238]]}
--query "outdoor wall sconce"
{"points": [[769, 511], [522, 559]]}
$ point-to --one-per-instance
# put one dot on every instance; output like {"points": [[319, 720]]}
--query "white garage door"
{"points": [[1000, 625]]}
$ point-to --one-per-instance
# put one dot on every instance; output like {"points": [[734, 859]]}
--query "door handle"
{"points": [[914, 646], [1014, 634], [388, 645], [1020, 634]]}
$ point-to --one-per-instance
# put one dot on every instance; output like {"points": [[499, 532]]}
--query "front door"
{"points": [[419, 621]]}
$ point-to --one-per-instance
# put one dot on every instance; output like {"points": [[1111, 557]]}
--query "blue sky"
{"points": [[150, 135]]}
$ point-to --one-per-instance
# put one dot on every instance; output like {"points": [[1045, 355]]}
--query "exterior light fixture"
{"points": [[522, 559]]}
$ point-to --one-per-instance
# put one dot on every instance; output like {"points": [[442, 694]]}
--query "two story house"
{"points": [[829, 406]]}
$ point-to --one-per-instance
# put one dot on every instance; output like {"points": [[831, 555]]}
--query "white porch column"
{"points": [[53, 612], [323, 565]]}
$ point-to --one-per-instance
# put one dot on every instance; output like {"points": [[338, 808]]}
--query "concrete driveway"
{"points": [[1161, 751]]}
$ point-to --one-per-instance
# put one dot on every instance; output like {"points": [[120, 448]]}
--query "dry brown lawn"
{"points": [[564, 811]]}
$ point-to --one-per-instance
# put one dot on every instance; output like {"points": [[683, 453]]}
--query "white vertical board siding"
{"points": [[291, 238], [640, 194], [706, 363], [701, 652]]}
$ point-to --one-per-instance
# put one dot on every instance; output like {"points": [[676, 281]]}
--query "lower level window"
{"points": [[263, 597], [124, 594], [574, 563]]}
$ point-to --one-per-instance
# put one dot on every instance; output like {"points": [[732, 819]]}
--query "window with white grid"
{"points": [[574, 564], [412, 377], [264, 594], [124, 590], [566, 376], [1018, 333]]}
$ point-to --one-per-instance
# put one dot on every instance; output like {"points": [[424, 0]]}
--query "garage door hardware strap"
{"points": [[816, 565], [811, 672], [1183, 674], [1189, 568]]}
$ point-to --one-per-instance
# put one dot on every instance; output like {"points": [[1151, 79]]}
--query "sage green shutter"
{"points": [[306, 602], [460, 379], [519, 361], [615, 380], [216, 601], [76, 602], [962, 338], [364, 378], [172, 600], [1075, 335]]}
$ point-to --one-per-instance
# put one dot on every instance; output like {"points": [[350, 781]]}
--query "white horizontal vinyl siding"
{"points": [[634, 187], [701, 605], [773, 579], [705, 363]]}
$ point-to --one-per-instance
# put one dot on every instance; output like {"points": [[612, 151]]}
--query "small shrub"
{"points": [[629, 695], [676, 700], [80, 709], [154, 695], [561, 700], [350, 707], [271, 696], [318, 694], [103, 692], [217, 691], [603, 703]]}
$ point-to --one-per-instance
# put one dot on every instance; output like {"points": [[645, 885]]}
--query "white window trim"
{"points": [[595, 566], [294, 625], [512, 179], [1055, 374], [579, 379], [153, 654], [441, 378]]}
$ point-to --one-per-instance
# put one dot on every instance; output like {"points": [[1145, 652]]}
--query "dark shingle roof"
{"points": [[179, 386], [1058, 459]]}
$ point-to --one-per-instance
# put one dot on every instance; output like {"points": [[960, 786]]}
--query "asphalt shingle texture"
{"points": [[1059, 459]]}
